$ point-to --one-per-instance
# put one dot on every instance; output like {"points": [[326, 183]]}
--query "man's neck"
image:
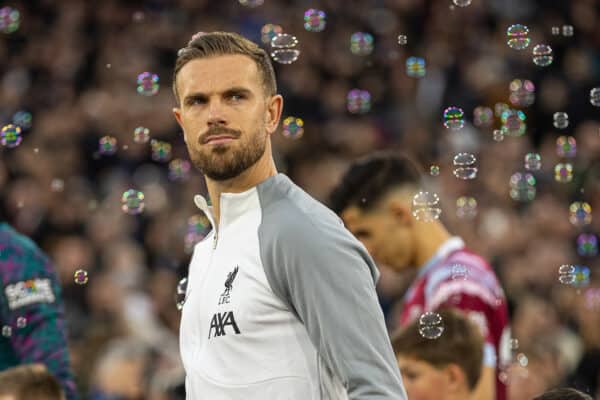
{"points": [[430, 237], [262, 170]]}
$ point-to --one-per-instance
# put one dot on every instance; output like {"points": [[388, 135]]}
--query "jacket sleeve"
{"points": [[34, 310], [328, 280]]}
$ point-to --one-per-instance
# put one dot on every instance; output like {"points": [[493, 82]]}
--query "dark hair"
{"points": [[461, 343], [563, 394], [370, 178], [224, 43], [30, 382]]}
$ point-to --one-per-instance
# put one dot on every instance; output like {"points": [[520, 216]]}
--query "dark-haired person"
{"points": [[31, 309], [440, 368], [281, 300], [563, 394], [374, 199], [29, 382]]}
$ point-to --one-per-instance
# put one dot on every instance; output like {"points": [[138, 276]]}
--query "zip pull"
{"points": [[215, 240]]}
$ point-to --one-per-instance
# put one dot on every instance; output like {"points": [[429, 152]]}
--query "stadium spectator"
{"points": [[29, 382]]}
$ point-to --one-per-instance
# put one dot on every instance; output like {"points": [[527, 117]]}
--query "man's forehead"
{"points": [[218, 73]]}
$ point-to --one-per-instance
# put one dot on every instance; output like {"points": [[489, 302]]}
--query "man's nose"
{"points": [[216, 114]]}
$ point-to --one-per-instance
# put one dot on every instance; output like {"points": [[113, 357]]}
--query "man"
{"points": [[445, 368], [31, 310], [29, 382], [281, 300], [374, 199]]}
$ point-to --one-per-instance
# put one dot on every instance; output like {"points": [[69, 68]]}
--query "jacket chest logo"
{"points": [[226, 295], [220, 321]]}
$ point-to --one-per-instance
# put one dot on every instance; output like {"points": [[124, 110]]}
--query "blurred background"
{"points": [[69, 74]]}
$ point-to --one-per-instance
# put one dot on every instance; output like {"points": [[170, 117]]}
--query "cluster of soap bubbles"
{"points": [[522, 92], [284, 48], [415, 67], [454, 118], [522, 187], [465, 166], [358, 101], [10, 136], [293, 127], [132, 202], [431, 325], [361, 43], [147, 84], [314, 20], [574, 275], [10, 19], [161, 151]]}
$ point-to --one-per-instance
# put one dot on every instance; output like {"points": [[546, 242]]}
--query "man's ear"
{"points": [[455, 378], [273, 112], [400, 212], [177, 115]]}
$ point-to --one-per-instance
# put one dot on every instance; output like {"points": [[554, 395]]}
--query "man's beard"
{"points": [[223, 162]]}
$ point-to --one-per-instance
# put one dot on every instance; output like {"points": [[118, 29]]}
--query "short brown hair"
{"points": [[461, 343], [30, 382], [224, 43], [563, 394]]}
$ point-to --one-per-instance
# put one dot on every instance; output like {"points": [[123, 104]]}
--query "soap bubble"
{"points": [[498, 135], [518, 36], [161, 151], [431, 325], [462, 3], [132, 202], [483, 116], [198, 226], [284, 41], [465, 166], [595, 96], [179, 170], [566, 146], [563, 172], [269, 31], [314, 20], [542, 55], [426, 206], [454, 118], [147, 84], [533, 162], [10, 19], [402, 40], [561, 120], [555, 30], [293, 127], [587, 245], [513, 123], [141, 135], [580, 213], [284, 52], [10, 136], [6, 331], [522, 92], [434, 170], [466, 207], [522, 187], [180, 294], [107, 145], [566, 274], [22, 119], [21, 322], [251, 3], [459, 272], [285, 56], [582, 276], [567, 30], [80, 277], [358, 101], [415, 67], [361, 43]]}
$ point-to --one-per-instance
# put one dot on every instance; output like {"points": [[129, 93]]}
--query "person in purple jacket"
{"points": [[32, 324]]}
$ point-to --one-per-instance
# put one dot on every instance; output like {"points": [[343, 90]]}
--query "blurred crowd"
{"points": [[73, 65]]}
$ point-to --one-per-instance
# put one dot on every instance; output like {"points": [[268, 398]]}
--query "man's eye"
{"points": [[236, 97]]}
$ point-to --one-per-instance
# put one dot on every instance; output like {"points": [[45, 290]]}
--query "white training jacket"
{"points": [[281, 304]]}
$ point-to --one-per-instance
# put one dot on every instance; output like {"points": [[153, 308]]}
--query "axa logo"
{"points": [[220, 322], [225, 296]]}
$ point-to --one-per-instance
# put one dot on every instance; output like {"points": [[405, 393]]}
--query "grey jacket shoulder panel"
{"points": [[327, 278]]}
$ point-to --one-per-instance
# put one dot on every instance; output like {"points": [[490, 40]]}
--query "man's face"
{"points": [[422, 380], [225, 114], [385, 232]]}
